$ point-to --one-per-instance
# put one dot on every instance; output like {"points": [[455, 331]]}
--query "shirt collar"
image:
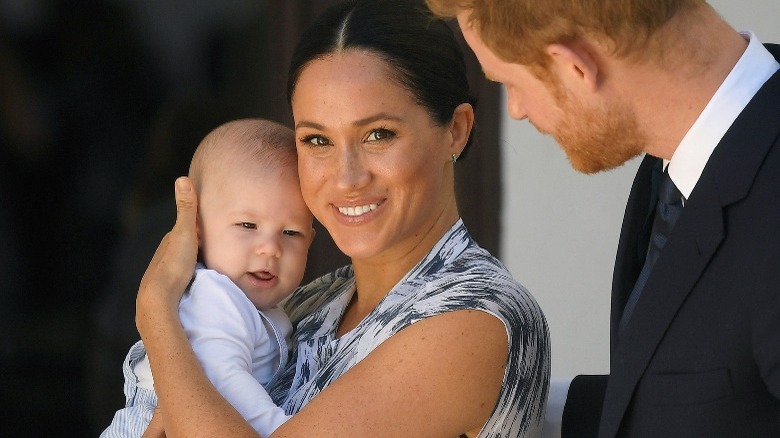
{"points": [[754, 68]]}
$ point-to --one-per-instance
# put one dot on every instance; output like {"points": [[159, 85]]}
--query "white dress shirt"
{"points": [[750, 73]]}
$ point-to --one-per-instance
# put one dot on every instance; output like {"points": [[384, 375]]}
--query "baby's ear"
{"points": [[198, 228], [313, 233], [200, 240]]}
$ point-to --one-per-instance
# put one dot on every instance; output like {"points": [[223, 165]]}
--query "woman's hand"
{"points": [[191, 404], [173, 264], [156, 428]]}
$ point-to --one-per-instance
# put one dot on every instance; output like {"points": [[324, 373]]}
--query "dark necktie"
{"points": [[667, 211]]}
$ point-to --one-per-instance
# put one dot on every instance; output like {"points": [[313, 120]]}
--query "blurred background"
{"points": [[102, 103]]}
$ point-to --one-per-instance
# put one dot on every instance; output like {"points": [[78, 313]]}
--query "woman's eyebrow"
{"points": [[357, 123], [305, 124], [375, 118]]}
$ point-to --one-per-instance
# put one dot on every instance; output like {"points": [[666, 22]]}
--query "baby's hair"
{"points": [[235, 144]]}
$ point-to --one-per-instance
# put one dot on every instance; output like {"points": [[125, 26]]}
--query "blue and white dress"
{"points": [[456, 275]]}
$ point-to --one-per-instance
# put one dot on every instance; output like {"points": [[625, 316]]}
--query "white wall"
{"points": [[561, 228]]}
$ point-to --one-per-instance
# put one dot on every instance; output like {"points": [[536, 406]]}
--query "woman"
{"points": [[424, 334]]}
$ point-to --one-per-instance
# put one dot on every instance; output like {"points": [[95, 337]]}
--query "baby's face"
{"points": [[257, 230]]}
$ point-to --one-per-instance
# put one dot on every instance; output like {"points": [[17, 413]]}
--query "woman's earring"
{"points": [[454, 158]]}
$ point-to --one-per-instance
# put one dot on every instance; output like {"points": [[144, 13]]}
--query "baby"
{"points": [[254, 231]]}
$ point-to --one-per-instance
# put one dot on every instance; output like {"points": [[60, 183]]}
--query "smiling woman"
{"points": [[363, 141], [425, 333]]}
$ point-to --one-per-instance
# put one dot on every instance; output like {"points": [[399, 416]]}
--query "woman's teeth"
{"points": [[357, 211]]}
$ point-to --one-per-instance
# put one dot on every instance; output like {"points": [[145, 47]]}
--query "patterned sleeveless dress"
{"points": [[456, 275]]}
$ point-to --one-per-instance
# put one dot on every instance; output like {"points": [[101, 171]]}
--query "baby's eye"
{"points": [[315, 140], [291, 233], [248, 225], [380, 134]]}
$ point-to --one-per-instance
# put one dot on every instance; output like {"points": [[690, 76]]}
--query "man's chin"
{"points": [[586, 168], [590, 164], [578, 160]]}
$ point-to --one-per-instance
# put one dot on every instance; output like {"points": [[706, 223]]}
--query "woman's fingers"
{"points": [[181, 251], [156, 428], [186, 208], [173, 263]]}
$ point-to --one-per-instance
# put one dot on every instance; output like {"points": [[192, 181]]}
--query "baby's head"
{"points": [[253, 225]]}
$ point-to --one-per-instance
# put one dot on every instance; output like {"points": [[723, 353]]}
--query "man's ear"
{"points": [[575, 65]]}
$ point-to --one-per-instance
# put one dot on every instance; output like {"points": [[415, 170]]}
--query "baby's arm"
{"points": [[224, 330], [140, 402]]}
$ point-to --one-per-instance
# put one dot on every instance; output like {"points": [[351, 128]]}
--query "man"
{"points": [[695, 326]]}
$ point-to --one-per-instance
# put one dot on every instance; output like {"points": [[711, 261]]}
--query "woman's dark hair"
{"points": [[420, 49]]}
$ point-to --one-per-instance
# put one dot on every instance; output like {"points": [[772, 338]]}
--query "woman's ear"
{"points": [[575, 65], [460, 128]]}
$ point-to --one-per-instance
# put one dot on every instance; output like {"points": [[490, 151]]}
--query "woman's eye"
{"points": [[248, 225], [380, 134], [291, 232], [315, 140]]}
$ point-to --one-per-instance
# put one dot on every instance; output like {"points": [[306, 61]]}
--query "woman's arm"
{"points": [[438, 377]]}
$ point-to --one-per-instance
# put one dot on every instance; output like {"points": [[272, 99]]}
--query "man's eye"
{"points": [[291, 233], [248, 225], [380, 134]]}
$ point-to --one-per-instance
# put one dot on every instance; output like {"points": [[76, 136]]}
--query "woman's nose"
{"points": [[351, 170]]}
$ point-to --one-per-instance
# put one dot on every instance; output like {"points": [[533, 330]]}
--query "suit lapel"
{"points": [[727, 178], [694, 240], [634, 236]]}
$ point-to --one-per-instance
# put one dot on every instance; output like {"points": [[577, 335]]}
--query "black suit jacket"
{"points": [[701, 353]]}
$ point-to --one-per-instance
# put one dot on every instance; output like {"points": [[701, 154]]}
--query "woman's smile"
{"points": [[359, 210]]}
